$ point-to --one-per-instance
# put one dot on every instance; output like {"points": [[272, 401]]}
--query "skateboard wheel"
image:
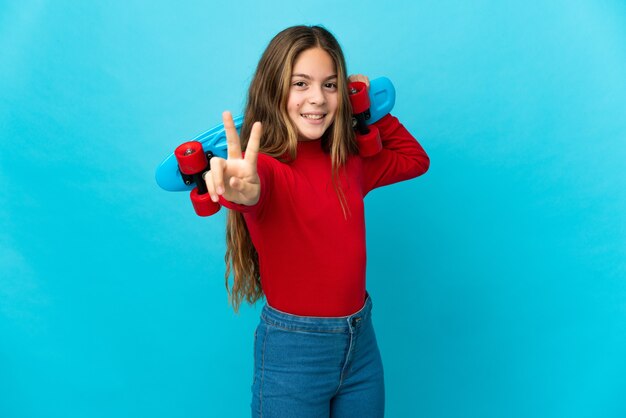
{"points": [[358, 97], [191, 158], [369, 143], [202, 203]]}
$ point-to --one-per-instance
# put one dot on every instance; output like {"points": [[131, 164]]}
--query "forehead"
{"points": [[314, 62]]}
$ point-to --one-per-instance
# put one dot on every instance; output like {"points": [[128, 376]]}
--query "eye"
{"points": [[331, 86], [299, 84]]}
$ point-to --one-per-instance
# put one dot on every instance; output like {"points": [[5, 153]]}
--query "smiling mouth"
{"points": [[312, 116]]}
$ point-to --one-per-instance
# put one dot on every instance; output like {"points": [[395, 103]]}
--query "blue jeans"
{"points": [[315, 367]]}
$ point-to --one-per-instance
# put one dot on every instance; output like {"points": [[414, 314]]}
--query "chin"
{"points": [[310, 137]]}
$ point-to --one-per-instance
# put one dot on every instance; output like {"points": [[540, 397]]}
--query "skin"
{"points": [[236, 178], [312, 102], [314, 92]]}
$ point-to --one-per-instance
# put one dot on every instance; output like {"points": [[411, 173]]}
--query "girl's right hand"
{"points": [[236, 178], [360, 77]]}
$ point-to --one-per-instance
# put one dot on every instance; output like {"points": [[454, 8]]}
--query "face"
{"points": [[312, 101]]}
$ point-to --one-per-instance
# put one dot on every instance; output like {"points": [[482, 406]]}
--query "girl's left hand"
{"points": [[360, 77]]}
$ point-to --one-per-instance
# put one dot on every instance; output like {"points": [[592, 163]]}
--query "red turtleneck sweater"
{"points": [[312, 259]]}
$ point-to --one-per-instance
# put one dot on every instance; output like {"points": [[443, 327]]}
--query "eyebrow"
{"points": [[308, 77]]}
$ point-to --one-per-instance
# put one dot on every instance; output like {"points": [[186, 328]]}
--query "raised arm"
{"points": [[401, 158]]}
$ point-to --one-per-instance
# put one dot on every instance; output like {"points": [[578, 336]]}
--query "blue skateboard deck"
{"points": [[382, 98]]}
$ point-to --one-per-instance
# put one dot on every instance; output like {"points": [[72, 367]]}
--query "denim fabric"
{"points": [[314, 367]]}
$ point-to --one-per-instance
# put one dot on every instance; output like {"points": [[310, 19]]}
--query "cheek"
{"points": [[293, 106], [335, 108], [335, 103]]}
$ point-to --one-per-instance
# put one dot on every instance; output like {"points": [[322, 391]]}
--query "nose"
{"points": [[317, 95]]}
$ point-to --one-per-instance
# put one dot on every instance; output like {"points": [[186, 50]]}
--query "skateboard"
{"points": [[182, 170]]}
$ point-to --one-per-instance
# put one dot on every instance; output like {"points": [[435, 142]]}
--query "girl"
{"points": [[296, 230]]}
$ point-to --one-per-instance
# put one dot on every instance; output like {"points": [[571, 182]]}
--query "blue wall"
{"points": [[498, 278]]}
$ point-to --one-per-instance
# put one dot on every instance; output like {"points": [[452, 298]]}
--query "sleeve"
{"points": [[265, 170], [402, 157]]}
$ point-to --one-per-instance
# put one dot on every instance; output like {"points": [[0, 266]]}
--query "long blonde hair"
{"points": [[267, 102]]}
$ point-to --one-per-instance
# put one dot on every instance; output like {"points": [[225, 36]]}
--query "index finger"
{"points": [[233, 143], [252, 149]]}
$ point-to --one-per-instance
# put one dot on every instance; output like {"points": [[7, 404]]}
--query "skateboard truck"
{"points": [[193, 162], [367, 137]]}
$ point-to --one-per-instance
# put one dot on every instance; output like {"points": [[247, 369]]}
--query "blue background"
{"points": [[498, 278]]}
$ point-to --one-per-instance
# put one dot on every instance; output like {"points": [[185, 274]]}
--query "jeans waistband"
{"points": [[273, 316]]}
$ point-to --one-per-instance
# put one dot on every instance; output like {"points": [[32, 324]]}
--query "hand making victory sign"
{"points": [[236, 178]]}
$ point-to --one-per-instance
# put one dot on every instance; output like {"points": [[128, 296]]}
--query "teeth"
{"points": [[312, 116]]}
